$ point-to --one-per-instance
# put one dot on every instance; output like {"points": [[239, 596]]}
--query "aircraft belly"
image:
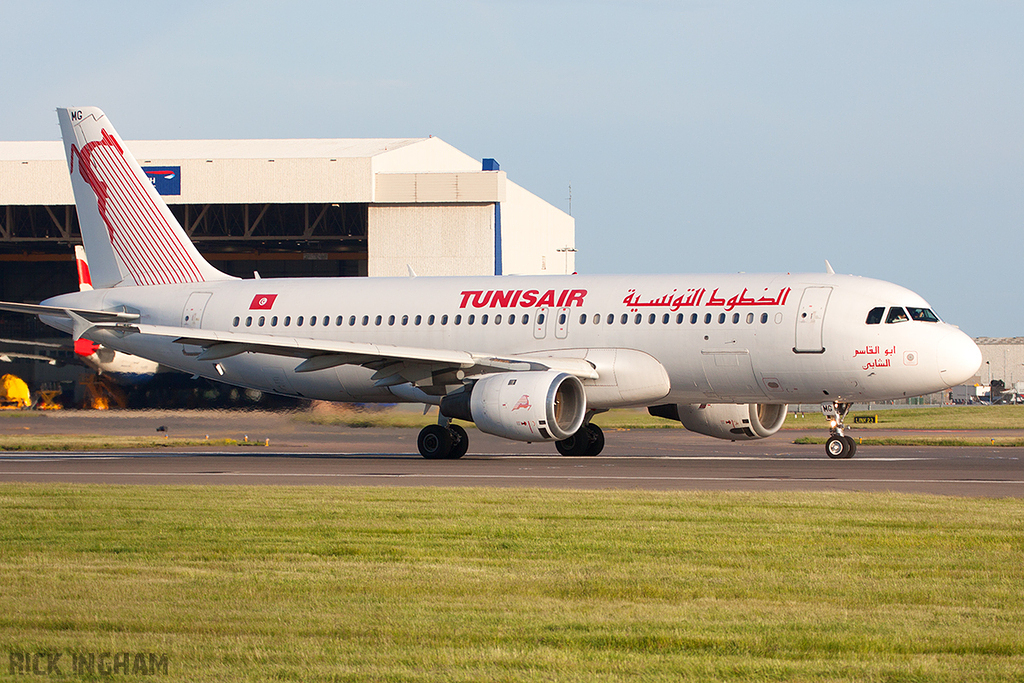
{"points": [[730, 375]]}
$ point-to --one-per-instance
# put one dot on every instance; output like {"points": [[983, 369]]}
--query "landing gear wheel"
{"points": [[576, 445], [837, 447], [852, 443], [596, 440], [461, 444], [588, 440], [435, 442]]}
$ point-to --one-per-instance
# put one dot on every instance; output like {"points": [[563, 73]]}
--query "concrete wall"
{"points": [[434, 239]]}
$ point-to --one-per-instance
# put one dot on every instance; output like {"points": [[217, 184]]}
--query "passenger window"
{"points": [[339, 321], [472, 319], [721, 318], [923, 315], [287, 320], [444, 319], [540, 319], [611, 318], [235, 321], [597, 318], [497, 319], [637, 318], [735, 318], [561, 319], [764, 318], [248, 321], [351, 321], [458, 319], [366, 320], [327, 320], [312, 321], [483, 319], [512, 319], [664, 319], [896, 315], [298, 321], [405, 319], [707, 318], [651, 319], [430, 319], [583, 318], [391, 320], [679, 319], [693, 319], [261, 321], [750, 318], [875, 315]]}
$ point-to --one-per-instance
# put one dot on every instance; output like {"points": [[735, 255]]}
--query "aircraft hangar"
{"points": [[280, 208]]}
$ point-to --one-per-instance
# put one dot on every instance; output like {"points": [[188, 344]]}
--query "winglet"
{"points": [[82, 261]]}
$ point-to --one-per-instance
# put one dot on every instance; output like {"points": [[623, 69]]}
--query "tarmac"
{"points": [[286, 451]]}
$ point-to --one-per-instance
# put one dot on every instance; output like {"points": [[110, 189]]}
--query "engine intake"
{"points": [[523, 406], [736, 422]]}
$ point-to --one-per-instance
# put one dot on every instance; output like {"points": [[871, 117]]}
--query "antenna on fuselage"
{"points": [[828, 268]]}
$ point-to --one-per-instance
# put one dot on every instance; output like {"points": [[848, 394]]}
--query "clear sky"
{"points": [[884, 136]]}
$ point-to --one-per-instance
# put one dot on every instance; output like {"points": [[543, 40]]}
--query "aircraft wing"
{"points": [[393, 364]]}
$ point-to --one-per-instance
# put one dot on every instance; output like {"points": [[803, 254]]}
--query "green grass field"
{"points": [[422, 584], [88, 442]]}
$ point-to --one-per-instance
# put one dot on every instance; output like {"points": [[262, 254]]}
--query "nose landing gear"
{"points": [[839, 446]]}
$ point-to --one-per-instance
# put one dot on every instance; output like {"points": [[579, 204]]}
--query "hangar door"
{"points": [[809, 320]]}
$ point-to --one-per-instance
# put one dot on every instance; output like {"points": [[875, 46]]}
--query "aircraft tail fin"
{"points": [[129, 232]]}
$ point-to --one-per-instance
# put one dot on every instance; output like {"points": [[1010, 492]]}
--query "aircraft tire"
{"points": [[837, 447], [852, 443], [435, 442], [576, 445], [461, 444], [596, 440]]}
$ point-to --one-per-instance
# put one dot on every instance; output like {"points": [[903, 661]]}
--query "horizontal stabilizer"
{"points": [[59, 312]]}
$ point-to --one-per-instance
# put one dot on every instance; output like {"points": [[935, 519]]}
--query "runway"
{"points": [[643, 459]]}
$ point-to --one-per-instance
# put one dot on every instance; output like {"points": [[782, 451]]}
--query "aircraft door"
{"points": [[562, 323], [809, 320], [192, 316], [540, 323]]}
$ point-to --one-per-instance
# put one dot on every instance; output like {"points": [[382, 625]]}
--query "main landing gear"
{"points": [[839, 446], [447, 441], [588, 440], [443, 442]]}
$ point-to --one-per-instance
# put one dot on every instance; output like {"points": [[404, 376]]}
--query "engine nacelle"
{"points": [[736, 422], [524, 406]]}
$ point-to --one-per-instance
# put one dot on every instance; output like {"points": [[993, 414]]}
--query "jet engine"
{"points": [[736, 422], [523, 406]]}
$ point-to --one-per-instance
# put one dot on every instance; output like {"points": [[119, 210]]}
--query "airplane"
{"points": [[124, 368], [527, 358]]}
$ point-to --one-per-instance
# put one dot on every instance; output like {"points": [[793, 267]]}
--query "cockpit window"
{"points": [[896, 315], [922, 314], [875, 315]]}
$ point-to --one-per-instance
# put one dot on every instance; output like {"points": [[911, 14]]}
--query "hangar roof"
{"points": [[387, 170], [348, 148]]}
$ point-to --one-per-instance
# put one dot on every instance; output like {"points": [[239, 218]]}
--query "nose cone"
{"points": [[959, 358]]}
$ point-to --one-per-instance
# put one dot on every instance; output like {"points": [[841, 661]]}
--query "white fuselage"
{"points": [[776, 338]]}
